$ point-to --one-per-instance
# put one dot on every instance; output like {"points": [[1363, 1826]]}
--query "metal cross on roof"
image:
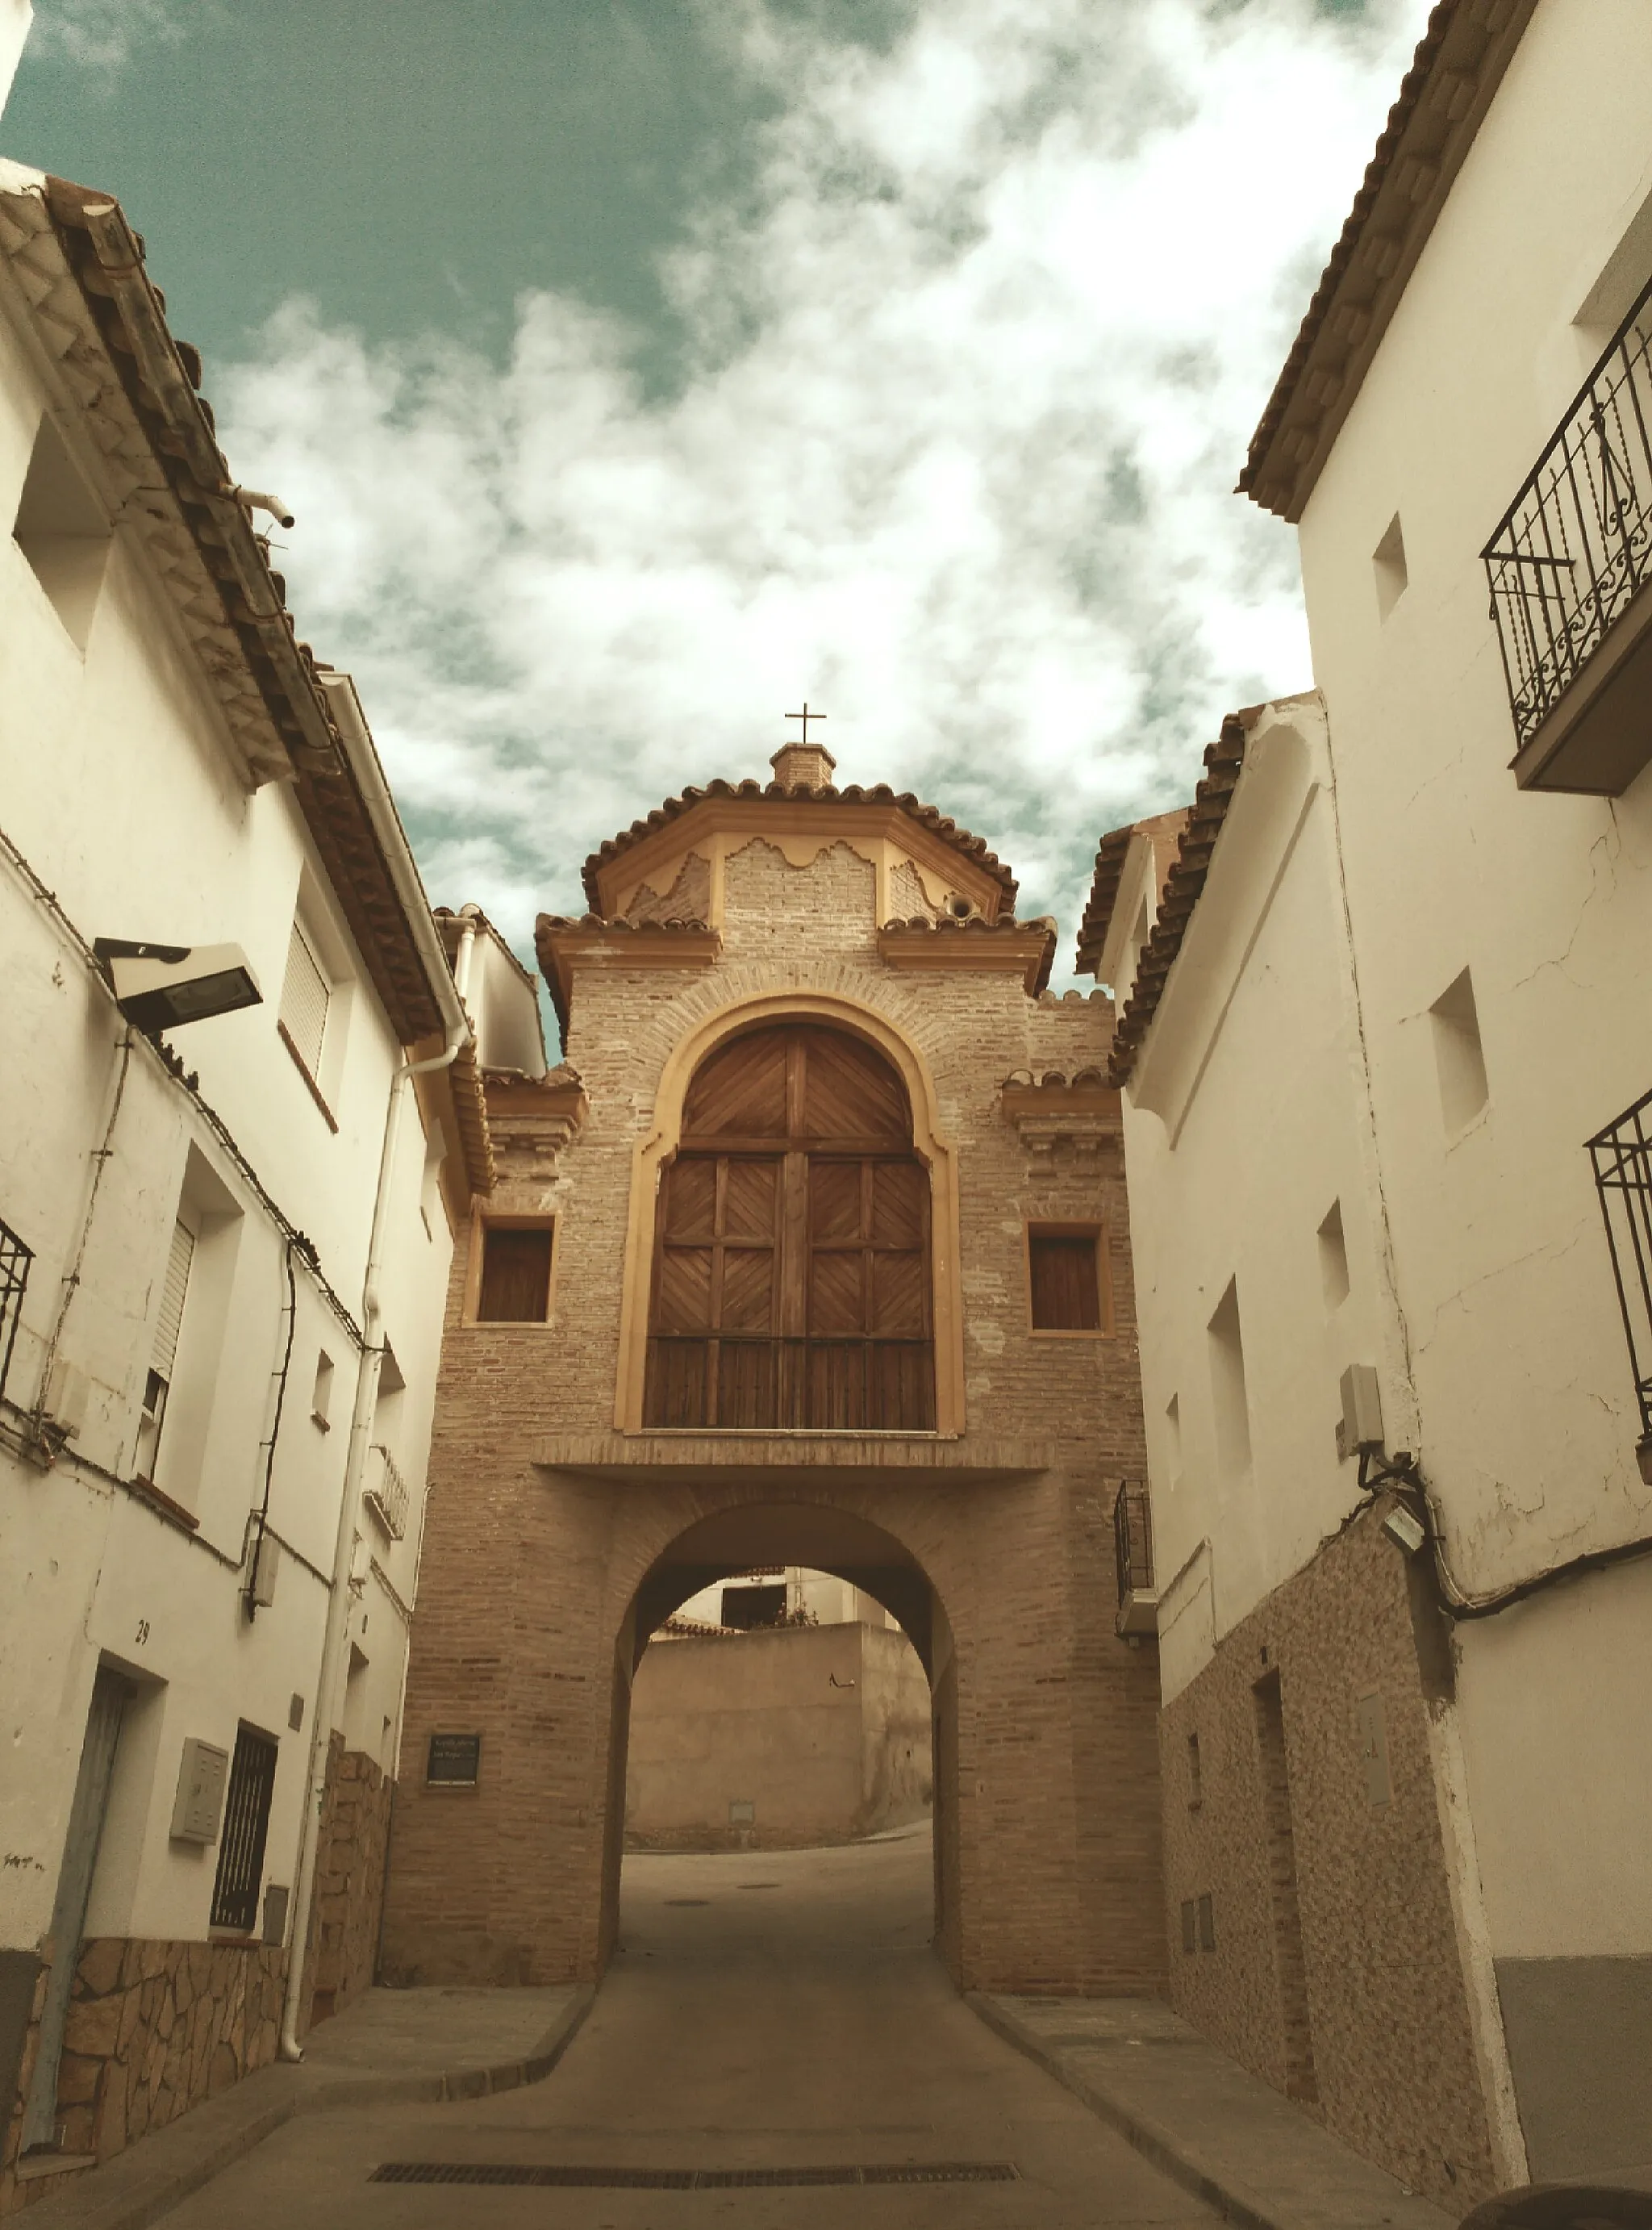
{"points": [[806, 716]]}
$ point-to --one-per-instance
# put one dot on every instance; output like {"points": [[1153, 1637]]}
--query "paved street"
{"points": [[773, 2011]]}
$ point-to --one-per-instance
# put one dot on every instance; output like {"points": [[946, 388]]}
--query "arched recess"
{"points": [[662, 1143], [823, 1538]]}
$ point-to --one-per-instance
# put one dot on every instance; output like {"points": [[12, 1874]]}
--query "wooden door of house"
{"points": [[792, 1284]]}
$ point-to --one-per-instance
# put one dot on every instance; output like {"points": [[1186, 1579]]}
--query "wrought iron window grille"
{"points": [[1575, 545], [1133, 1539], [1621, 1155], [14, 1258], [246, 1824]]}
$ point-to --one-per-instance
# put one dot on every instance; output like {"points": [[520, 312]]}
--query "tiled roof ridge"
{"points": [[926, 816], [1459, 65], [619, 921], [231, 601], [1103, 894], [947, 925], [1223, 762]]}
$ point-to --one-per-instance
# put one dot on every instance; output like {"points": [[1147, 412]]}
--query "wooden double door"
{"points": [[792, 1281]]}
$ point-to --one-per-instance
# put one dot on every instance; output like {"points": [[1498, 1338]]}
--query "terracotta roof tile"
{"points": [[926, 816], [1457, 68], [1224, 761]]}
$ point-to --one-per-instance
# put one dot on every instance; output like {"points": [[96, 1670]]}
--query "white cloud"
{"points": [[100, 35], [968, 383]]}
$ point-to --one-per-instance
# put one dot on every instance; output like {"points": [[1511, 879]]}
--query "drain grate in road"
{"points": [[690, 2179]]}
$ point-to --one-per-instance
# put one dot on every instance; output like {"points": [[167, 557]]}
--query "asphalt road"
{"points": [[778, 2011]]}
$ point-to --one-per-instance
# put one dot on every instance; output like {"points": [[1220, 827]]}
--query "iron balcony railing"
{"points": [[1133, 1540], [1576, 543], [1622, 1154], [14, 1258], [387, 1492]]}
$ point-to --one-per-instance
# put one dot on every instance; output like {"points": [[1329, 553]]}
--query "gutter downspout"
{"points": [[359, 748]]}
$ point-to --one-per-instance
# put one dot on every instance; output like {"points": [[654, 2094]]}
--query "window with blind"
{"points": [[792, 1281], [306, 994], [1067, 1275], [175, 1287], [516, 1274]]}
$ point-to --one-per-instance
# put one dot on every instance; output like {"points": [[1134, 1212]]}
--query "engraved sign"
{"points": [[742, 1813], [454, 1761]]}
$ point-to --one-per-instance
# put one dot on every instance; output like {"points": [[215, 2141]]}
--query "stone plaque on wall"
{"points": [[454, 1761]]}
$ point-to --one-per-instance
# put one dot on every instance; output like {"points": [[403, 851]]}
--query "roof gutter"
{"points": [[361, 757]]}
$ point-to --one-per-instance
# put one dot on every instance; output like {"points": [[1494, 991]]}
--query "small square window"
{"points": [[1067, 1277], [515, 1285], [1189, 1925]]}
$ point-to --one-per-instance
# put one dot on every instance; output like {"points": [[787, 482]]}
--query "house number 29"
{"points": [[143, 1631]]}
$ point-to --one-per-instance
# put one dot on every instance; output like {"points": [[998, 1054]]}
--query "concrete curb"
{"points": [[1178, 2160], [1194, 2166], [139, 2185]]}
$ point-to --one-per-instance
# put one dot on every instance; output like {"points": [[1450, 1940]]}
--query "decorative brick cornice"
{"points": [[562, 943], [1080, 1115], [1457, 70], [538, 1116], [1026, 948], [818, 804]]}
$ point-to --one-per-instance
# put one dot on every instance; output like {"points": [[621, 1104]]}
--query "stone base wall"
{"points": [[342, 1948], [1326, 1960], [154, 2028]]}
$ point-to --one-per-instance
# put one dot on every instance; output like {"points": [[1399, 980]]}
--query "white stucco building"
{"points": [[225, 1251], [1376, 998]]}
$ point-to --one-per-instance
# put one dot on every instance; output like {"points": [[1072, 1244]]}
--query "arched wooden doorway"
{"points": [[791, 1286]]}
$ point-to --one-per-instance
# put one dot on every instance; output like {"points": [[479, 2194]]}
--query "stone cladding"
{"points": [[1393, 2055], [154, 2027], [1048, 1815], [350, 1881]]}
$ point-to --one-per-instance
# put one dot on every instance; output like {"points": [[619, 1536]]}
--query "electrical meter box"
{"points": [[198, 1807]]}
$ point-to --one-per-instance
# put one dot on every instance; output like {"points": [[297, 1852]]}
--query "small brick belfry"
{"points": [[814, 1252]]}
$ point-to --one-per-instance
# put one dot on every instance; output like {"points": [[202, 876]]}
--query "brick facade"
{"points": [[1360, 2010], [544, 1522]]}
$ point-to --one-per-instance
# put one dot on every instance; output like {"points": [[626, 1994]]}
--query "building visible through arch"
{"points": [[832, 1269]]}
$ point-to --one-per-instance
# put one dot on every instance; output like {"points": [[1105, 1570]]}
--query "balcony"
{"points": [[386, 1493], [1137, 1611], [1622, 1154], [14, 1258], [1570, 568]]}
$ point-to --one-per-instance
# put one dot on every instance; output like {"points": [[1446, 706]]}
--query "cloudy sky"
{"points": [[639, 369]]}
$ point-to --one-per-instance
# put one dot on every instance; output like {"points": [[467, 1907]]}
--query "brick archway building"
{"points": [[815, 1251]]}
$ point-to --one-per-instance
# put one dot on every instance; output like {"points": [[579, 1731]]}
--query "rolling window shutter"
{"points": [[173, 1291], [305, 994]]}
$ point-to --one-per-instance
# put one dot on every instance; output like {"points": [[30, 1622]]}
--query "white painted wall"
{"points": [[1244, 1130], [16, 16], [1528, 1420], [119, 789]]}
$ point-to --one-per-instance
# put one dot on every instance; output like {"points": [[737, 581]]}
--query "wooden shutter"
{"points": [[516, 1275], [306, 996], [175, 1288], [1066, 1284], [792, 1273]]}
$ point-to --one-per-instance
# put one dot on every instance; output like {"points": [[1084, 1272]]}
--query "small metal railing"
{"points": [[1576, 544], [1133, 1539], [387, 1492], [14, 1258], [1622, 1154]]}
